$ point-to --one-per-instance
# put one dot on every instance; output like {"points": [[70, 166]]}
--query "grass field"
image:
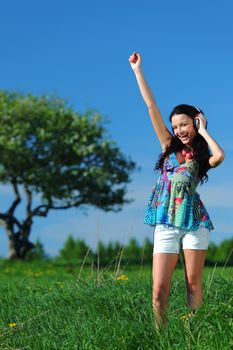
{"points": [[48, 307]]}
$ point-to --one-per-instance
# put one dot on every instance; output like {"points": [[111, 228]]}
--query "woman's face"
{"points": [[183, 128]]}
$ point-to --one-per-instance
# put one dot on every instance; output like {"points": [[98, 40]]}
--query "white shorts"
{"points": [[168, 239]]}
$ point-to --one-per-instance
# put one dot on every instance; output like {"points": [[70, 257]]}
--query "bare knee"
{"points": [[193, 283], [160, 293]]}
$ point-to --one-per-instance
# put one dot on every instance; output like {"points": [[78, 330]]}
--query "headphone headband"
{"points": [[198, 109]]}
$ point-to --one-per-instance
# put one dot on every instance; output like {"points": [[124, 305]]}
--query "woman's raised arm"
{"points": [[161, 131]]}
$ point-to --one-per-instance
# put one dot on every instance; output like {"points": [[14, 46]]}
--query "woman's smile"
{"points": [[183, 128]]}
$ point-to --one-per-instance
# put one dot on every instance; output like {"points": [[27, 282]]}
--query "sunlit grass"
{"points": [[49, 307]]}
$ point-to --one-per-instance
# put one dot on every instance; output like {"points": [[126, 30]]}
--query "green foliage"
{"points": [[111, 250], [37, 252], [225, 251], [147, 249], [221, 253], [73, 250], [211, 252], [132, 251]]}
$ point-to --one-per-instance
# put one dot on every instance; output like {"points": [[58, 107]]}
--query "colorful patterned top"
{"points": [[174, 200]]}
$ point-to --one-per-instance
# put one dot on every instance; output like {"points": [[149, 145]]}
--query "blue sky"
{"points": [[79, 51]]}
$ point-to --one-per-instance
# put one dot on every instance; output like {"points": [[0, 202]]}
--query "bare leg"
{"points": [[194, 263], [163, 266]]}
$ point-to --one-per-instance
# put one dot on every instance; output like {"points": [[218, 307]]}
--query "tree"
{"points": [[101, 250], [132, 251], [73, 250], [147, 250], [211, 253], [56, 159], [82, 249], [37, 252], [113, 250], [68, 252], [224, 252]]}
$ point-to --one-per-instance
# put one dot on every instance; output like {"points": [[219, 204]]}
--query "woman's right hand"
{"points": [[135, 61]]}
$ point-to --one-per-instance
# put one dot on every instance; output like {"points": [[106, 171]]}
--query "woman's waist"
{"points": [[176, 185]]}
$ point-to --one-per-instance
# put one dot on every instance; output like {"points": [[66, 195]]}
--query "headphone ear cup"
{"points": [[196, 124]]}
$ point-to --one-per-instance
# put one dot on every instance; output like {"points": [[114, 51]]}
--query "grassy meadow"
{"points": [[44, 306]]}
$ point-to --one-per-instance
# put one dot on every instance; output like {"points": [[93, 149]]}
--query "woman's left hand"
{"points": [[202, 121]]}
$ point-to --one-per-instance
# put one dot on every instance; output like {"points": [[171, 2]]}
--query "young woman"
{"points": [[175, 209]]}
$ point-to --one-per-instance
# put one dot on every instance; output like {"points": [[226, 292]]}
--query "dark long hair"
{"points": [[200, 146]]}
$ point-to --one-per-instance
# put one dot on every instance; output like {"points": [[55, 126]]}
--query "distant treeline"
{"points": [[75, 251]]}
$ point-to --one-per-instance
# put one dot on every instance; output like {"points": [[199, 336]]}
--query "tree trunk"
{"points": [[19, 246]]}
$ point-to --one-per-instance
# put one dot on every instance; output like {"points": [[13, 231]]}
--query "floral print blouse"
{"points": [[174, 200]]}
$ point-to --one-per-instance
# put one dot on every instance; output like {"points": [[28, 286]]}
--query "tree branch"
{"points": [[6, 219], [3, 218], [38, 211], [17, 199], [29, 200]]}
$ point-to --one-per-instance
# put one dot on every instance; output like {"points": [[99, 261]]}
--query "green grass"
{"points": [[57, 308]]}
